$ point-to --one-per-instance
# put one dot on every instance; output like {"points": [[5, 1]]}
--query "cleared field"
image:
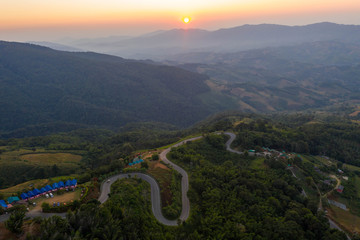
{"points": [[347, 220], [51, 158], [67, 197], [357, 185], [162, 174], [351, 167], [18, 166], [258, 163]]}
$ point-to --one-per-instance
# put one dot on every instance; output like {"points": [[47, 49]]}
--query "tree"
{"points": [[55, 169], [45, 207], [144, 165], [339, 165], [155, 157], [15, 221]]}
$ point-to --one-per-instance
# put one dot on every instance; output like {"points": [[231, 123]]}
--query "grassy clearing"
{"points": [[357, 185], [38, 153], [51, 158], [258, 163], [347, 220], [351, 167], [310, 191], [22, 165], [314, 160], [163, 177], [325, 161]]}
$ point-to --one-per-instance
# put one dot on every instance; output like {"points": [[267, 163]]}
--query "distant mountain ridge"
{"points": [[42, 86], [162, 44]]}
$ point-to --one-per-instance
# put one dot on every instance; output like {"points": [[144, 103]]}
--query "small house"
{"points": [[340, 189], [12, 200], [48, 188], [24, 196]]}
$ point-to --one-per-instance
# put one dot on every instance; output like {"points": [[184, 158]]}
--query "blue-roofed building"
{"points": [[74, 182], [61, 184], [3, 204], [55, 186], [48, 188], [11, 200], [43, 190], [30, 194], [36, 191], [24, 196], [68, 183]]}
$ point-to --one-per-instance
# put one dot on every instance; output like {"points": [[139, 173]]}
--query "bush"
{"points": [[57, 209], [45, 207], [15, 221], [144, 165], [155, 157]]}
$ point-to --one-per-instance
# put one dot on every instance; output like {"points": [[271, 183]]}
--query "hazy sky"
{"points": [[22, 20]]}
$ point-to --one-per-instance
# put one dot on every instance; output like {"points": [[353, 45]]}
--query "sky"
{"points": [[46, 20]]}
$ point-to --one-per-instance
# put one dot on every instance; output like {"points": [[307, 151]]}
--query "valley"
{"points": [[246, 132]]}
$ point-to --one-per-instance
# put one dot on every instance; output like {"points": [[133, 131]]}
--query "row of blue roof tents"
{"points": [[136, 162], [47, 189]]}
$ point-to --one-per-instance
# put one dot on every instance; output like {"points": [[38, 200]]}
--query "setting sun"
{"points": [[186, 20]]}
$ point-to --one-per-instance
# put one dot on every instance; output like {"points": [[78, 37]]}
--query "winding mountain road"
{"points": [[155, 189], [155, 194], [229, 142]]}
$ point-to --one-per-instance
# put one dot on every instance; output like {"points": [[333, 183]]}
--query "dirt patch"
{"points": [[6, 234], [64, 198], [28, 227], [344, 219], [163, 177], [354, 114], [160, 165]]}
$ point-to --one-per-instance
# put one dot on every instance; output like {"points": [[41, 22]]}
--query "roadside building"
{"points": [[12, 200], [340, 189]]}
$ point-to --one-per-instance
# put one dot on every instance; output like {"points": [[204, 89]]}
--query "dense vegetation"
{"points": [[46, 91], [101, 151], [230, 200], [269, 80], [49, 88], [329, 135]]}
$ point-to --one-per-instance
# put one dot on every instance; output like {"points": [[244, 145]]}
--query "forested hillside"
{"points": [[306, 76], [49, 88], [230, 199]]}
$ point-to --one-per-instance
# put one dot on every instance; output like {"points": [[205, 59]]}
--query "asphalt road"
{"points": [[228, 143], [185, 211], [155, 194], [155, 189]]}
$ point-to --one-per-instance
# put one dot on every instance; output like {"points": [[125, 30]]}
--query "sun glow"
{"points": [[186, 20]]}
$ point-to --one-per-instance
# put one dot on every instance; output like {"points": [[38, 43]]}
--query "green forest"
{"points": [[232, 196]]}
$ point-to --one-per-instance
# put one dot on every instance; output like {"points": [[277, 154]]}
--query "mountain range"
{"points": [[42, 86], [45, 90], [161, 45]]}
